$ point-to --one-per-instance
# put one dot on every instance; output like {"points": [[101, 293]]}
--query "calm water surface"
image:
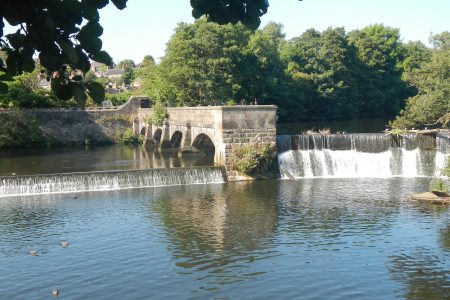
{"points": [[102, 158], [305, 239]]}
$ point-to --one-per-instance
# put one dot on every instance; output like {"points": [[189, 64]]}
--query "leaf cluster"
{"points": [[66, 36], [231, 11]]}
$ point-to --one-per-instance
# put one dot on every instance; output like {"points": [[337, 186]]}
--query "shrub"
{"points": [[258, 160], [446, 170], [159, 114], [20, 130], [119, 98], [130, 138], [439, 184]]}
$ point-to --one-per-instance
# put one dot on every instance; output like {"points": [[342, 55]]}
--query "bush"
{"points": [[259, 160], [159, 114], [439, 184], [446, 170], [20, 130], [119, 98], [130, 138]]}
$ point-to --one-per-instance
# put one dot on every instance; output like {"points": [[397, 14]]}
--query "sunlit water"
{"points": [[306, 239]]}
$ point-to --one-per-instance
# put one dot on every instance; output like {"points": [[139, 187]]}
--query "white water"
{"points": [[351, 156], [110, 180]]}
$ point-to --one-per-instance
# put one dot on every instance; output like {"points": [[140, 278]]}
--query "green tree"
{"points": [[431, 105], [381, 91], [128, 66], [201, 59], [323, 62]]}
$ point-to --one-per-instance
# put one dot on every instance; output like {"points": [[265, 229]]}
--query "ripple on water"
{"points": [[308, 239]]}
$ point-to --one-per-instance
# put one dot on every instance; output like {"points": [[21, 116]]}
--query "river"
{"points": [[305, 239]]}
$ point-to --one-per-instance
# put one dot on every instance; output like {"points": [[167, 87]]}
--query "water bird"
{"points": [[64, 243], [33, 253], [54, 292]]}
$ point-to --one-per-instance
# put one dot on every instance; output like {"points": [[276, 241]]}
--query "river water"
{"points": [[102, 158], [306, 239]]}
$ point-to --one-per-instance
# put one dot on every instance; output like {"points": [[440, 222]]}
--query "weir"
{"points": [[107, 180], [361, 155]]}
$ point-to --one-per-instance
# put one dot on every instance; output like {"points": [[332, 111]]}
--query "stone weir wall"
{"points": [[74, 126]]}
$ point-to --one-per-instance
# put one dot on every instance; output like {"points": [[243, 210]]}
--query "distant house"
{"points": [[114, 73], [98, 68], [44, 83]]}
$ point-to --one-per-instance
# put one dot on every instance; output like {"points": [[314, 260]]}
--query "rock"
{"points": [[434, 197]]}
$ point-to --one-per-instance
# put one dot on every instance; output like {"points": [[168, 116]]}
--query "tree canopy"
{"points": [[318, 75], [431, 105], [66, 36]]}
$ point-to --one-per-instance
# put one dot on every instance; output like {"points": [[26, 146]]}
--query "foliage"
{"points": [[201, 61], [231, 102], [130, 138], [20, 130], [228, 11], [439, 184], [446, 170], [128, 66], [159, 114], [24, 92], [66, 36], [319, 75], [119, 98], [254, 160], [431, 105]]}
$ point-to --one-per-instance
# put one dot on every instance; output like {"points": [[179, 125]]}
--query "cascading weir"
{"points": [[361, 155], [107, 180]]}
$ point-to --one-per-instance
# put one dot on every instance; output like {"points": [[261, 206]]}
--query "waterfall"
{"points": [[107, 180], [361, 155]]}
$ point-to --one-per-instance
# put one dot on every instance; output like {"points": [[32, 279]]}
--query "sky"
{"points": [[145, 26]]}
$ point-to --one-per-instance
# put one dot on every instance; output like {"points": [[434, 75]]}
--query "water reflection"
{"points": [[424, 274], [82, 159], [306, 239], [219, 234]]}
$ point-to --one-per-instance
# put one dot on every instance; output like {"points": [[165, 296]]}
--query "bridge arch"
{"points": [[204, 144], [157, 135], [176, 138], [143, 130]]}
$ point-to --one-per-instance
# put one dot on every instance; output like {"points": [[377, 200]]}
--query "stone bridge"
{"points": [[214, 129], [211, 129]]}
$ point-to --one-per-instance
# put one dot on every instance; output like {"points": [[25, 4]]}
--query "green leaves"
{"points": [[51, 28], [96, 91], [103, 57], [231, 11], [120, 4], [88, 37], [61, 88]]}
